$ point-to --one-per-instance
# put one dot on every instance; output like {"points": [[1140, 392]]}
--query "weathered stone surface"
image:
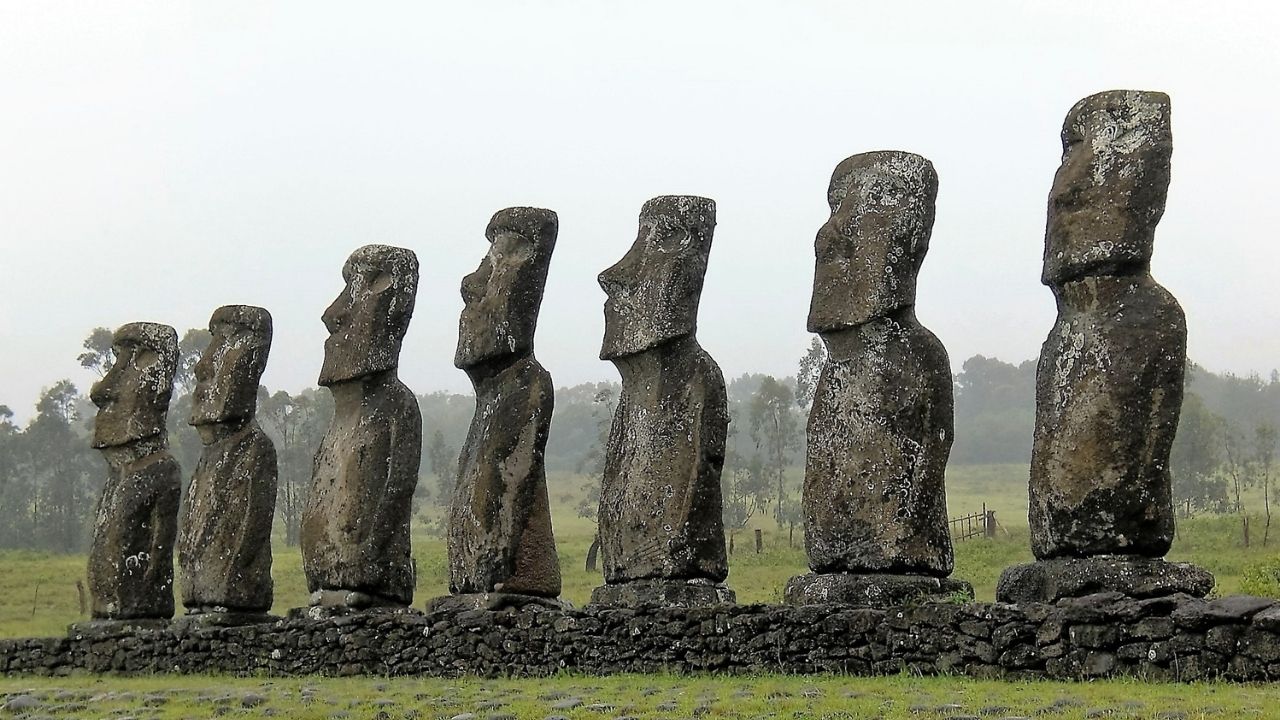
{"points": [[1109, 381], [355, 526], [500, 536], [880, 429], [872, 589], [130, 570], [663, 592], [660, 504], [491, 601], [224, 549], [1137, 577]]}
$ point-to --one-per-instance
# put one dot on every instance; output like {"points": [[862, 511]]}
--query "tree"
{"points": [[1264, 450], [98, 355], [776, 431], [190, 348], [60, 466], [807, 374], [604, 403], [1234, 464], [443, 460], [1196, 458], [746, 493], [297, 425]]}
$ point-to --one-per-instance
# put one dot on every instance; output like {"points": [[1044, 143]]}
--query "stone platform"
{"points": [[1049, 580], [1170, 638], [873, 589]]}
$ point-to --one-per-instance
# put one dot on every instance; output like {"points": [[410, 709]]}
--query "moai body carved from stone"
{"points": [[131, 557], [1109, 381], [501, 548], [224, 547], [355, 526], [661, 529], [880, 429]]}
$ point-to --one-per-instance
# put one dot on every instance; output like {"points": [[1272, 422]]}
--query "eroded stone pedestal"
{"points": [[878, 590], [492, 601], [1136, 577], [663, 592]]}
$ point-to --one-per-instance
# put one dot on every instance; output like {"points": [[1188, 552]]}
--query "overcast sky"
{"points": [[160, 159]]}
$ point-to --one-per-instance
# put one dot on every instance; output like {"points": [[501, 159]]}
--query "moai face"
{"points": [[133, 397], [1109, 193], [870, 250], [653, 291], [368, 320], [503, 295], [229, 370]]}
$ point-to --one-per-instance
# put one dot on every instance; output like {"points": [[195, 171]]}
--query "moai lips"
{"points": [[661, 531], [1110, 378], [880, 429], [130, 569], [499, 536], [224, 550], [355, 526]]}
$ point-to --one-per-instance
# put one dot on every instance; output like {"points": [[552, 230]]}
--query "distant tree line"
{"points": [[50, 478]]}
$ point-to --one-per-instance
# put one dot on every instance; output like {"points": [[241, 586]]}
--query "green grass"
{"points": [[637, 696], [38, 594]]}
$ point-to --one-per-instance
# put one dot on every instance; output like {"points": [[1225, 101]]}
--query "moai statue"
{"points": [[501, 548], [880, 430], [224, 549], [131, 556], [355, 526], [661, 531], [1109, 382]]}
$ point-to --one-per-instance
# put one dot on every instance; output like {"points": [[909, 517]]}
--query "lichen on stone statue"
{"points": [[224, 549], [881, 425], [355, 525], [661, 529], [1110, 378], [500, 544], [130, 569]]}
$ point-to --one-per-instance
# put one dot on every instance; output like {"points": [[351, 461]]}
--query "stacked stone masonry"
{"points": [[1171, 638]]}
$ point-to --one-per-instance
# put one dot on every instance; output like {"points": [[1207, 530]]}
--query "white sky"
{"points": [[160, 159]]}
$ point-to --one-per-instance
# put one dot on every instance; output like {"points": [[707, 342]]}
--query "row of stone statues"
{"points": [[1109, 387]]}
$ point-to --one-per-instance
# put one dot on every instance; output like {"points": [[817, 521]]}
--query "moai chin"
{"points": [[880, 429], [131, 557], [224, 549], [661, 531], [1110, 378], [355, 526], [501, 548]]}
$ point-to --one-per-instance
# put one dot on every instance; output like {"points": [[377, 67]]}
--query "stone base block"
{"points": [[104, 627], [664, 593], [221, 617], [492, 601], [1136, 577], [877, 590]]}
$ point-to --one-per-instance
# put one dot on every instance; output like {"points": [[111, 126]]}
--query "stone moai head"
{"points": [[133, 397], [368, 320], [503, 295], [1109, 192], [229, 370], [653, 291], [870, 250]]}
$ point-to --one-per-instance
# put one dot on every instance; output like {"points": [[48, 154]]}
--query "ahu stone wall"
{"points": [[1169, 638]]}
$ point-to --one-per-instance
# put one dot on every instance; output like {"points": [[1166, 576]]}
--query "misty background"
{"points": [[163, 158]]}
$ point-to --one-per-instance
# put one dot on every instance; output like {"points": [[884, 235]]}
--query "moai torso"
{"points": [[1110, 378], [130, 570], [355, 526], [224, 551], [500, 537], [880, 429], [660, 499], [660, 504]]}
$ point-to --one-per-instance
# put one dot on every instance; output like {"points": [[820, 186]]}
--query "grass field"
{"points": [[38, 596], [632, 696]]}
